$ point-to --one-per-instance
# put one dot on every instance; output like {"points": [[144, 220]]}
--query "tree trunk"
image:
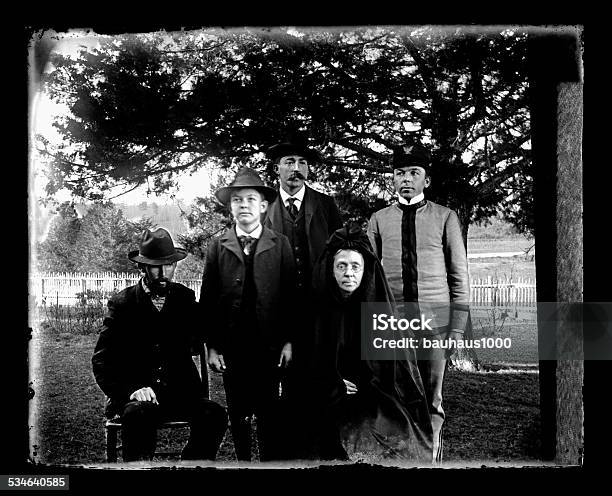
{"points": [[464, 212]]}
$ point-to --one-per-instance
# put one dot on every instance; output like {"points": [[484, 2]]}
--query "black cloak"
{"points": [[388, 417]]}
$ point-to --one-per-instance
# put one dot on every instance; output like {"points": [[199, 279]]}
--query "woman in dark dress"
{"points": [[363, 409]]}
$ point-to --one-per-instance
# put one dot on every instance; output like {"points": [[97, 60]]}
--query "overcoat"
{"points": [[322, 219], [222, 290], [140, 346]]}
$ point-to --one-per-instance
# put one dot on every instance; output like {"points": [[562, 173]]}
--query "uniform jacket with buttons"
{"points": [[223, 284], [322, 219], [441, 260], [140, 346]]}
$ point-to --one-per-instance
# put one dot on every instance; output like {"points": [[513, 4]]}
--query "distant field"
{"points": [[501, 268], [500, 237], [484, 245]]}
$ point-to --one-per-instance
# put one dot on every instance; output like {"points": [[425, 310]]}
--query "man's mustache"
{"points": [[158, 282], [297, 175], [159, 289]]}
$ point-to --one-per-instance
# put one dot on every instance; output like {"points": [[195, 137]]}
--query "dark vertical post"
{"points": [[556, 122], [570, 367]]}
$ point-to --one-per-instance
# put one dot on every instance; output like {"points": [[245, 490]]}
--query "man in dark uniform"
{"points": [[143, 358], [422, 251], [308, 218]]}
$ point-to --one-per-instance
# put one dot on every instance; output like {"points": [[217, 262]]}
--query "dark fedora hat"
{"points": [[156, 248], [415, 155], [291, 148], [246, 178]]}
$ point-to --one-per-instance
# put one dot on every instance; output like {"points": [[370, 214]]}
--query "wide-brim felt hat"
{"points": [[156, 248], [246, 178], [412, 156], [287, 148]]}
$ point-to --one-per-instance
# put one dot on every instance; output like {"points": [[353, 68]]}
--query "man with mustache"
{"points": [[421, 247], [307, 217], [143, 363]]}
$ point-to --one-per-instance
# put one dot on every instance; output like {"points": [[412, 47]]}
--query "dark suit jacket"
{"points": [[322, 219], [140, 346], [223, 284]]}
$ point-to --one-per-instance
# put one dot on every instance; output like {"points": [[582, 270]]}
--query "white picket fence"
{"points": [[503, 292], [55, 288], [62, 288]]}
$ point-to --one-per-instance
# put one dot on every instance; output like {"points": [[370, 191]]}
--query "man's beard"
{"points": [[157, 288]]}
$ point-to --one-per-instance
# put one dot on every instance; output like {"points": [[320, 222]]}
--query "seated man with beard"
{"points": [[143, 363]]}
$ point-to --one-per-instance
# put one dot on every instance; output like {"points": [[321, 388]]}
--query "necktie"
{"points": [[291, 208], [246, 242]]}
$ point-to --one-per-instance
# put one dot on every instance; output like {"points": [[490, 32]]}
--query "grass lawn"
{"points": [[490, 416], [517, 326]]}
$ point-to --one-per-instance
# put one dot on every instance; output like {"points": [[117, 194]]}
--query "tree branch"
{"points": [[66, 161], [358, 148], [357, 165], [363, 43], [195, 50], [487, 188], [427, 75], [376, 137], [126, 192]]}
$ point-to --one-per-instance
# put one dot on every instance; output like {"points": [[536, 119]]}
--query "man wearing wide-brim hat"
{"points": [[247, 298], [142, 360], [421, 247], [308, 218]]}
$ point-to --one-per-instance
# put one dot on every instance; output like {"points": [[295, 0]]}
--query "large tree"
{"points": [[146, 107], [97, 241]]}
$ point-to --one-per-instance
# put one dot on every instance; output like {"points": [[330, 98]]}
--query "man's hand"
{"points": [[144, 394], [350, 387], [285, 356], [215, 360]]}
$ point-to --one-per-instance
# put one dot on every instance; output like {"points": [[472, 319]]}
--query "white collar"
{"points": [[299, 196], [256, 233], [414, 200]]}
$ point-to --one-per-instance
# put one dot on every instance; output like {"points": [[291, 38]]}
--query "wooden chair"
{"points": [[112, 427]]}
